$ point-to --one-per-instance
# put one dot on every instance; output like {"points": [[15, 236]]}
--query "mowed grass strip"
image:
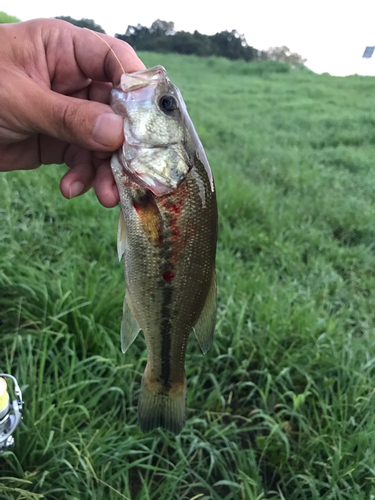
{"points": [[282, 406]]}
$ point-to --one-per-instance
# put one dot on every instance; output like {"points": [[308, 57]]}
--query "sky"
{"points": [[330, 34]]}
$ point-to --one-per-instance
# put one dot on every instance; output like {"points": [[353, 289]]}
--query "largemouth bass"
{"points": [[167, 234]]}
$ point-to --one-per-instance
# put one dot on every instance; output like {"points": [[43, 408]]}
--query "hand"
{"points": [[54, 102]]}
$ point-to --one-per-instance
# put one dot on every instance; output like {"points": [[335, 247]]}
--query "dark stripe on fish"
{"points": [[167, 293], [166, 340]]}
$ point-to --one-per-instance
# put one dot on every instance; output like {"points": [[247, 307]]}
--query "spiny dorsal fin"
{"points": [[205, 326]]}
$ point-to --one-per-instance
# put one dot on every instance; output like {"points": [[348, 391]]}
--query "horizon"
{"points": [[329, 35]]}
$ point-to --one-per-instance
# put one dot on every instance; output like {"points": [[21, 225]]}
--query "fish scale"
{"points": [[167, 233]]}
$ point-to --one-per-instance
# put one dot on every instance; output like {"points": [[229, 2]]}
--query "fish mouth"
{"points": [[131, 82]]}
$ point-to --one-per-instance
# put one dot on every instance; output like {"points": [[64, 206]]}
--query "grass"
{"points": [[282, 407]]}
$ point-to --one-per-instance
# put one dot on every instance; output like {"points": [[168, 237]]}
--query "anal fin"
{"points": [[129, 325], [205, 326]]}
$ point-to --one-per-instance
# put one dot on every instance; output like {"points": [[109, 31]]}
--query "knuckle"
{"points": [[73, 123], [68, 118]]}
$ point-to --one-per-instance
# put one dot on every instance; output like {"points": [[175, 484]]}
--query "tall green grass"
{"points": [[282, 406]]}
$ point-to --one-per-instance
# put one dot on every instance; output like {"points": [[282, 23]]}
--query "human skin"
{"points": [[55, 81]]}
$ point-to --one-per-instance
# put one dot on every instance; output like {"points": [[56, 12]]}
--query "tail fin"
{"points": [[160, 408]]}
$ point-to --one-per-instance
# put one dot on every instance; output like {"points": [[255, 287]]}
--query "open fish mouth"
{"points": [[143, 78]]}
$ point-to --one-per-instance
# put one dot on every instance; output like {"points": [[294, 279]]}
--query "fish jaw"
{"points": [[143, 78]]}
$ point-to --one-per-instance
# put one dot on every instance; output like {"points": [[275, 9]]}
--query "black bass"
{"points": [[167, 234]]}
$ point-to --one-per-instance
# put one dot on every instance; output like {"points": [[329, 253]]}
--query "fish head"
{"points": [[158, 151]]}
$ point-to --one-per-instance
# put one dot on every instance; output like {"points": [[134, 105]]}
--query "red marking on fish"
{"points": [[168, 276], [136, 207], [176, 207], [177, 220]]}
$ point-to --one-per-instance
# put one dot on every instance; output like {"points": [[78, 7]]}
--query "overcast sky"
{"points": [[330, 34]]}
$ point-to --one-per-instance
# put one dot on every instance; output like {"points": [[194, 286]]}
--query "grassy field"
{"points": [[282, 407]]}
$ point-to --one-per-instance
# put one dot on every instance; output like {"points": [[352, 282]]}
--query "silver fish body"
{"points": [[167, 233]]}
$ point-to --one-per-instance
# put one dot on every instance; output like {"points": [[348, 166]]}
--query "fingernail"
{"points": [[108, 128], [75, 189]]}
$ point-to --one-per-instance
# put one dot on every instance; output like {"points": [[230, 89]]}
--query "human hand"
{"points": [[54, 102]]}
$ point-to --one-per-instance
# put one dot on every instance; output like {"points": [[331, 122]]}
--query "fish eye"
{"points": [[168, 103]]}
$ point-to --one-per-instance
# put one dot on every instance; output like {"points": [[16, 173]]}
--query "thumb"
{"points": [[89, 124]]}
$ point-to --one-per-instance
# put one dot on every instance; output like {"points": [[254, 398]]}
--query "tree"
{"points": [[139, 37], [83, 23], [284, 54], [6, 18], [184, 42], [232, 45], [159, 28]]}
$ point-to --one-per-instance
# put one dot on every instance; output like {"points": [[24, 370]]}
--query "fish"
{"points": [[167, 233]]}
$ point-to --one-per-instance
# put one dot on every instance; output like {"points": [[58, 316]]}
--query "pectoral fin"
{"points": [[205, 326], [121, 236], [129, 325]]}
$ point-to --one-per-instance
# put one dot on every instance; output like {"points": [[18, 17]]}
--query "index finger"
{"points": [[99, 57], [113, 56]]}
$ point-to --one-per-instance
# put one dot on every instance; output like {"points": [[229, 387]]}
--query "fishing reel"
{"points": [[10, 412]]}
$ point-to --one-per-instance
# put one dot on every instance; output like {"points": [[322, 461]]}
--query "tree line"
{"points": [[162, 37]]}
